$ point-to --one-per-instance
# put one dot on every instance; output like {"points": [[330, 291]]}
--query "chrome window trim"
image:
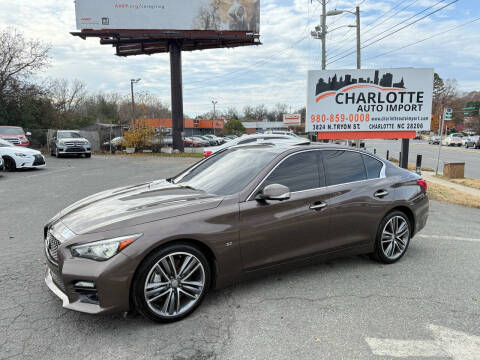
{"points": [[382, 172]]}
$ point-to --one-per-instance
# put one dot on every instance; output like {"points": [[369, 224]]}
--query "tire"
{"points": [[88, 156], [9, 164], [57, 154], [383, 251], [164, 307]]}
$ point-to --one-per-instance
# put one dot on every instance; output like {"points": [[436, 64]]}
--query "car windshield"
{"points": [[11, 131], [4, 143], [69, 135], [228, 172]]}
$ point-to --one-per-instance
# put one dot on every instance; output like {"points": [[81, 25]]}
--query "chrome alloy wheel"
{"points": [[395, 237], [174, 284]]}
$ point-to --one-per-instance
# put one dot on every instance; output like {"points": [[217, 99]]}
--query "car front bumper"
{"points": [[28, 162], [74, 150], [112, 281]]}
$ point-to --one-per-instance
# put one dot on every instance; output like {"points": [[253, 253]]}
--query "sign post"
{"points": [[447, 116]]}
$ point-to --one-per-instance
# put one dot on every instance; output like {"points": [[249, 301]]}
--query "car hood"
{"points": [[133, 205], [72, 139], [19, 149]]}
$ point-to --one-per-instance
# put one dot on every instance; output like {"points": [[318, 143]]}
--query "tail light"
{"points": [[207, 153], [422, 183]]}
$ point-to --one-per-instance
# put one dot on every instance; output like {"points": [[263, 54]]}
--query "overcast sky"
{"points": [[274, 72]]}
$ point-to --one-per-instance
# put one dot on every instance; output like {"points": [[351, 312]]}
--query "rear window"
{"points": [[374, 167], [11, 131], [343, 167]]}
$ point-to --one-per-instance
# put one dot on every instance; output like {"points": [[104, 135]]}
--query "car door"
{"points": [[358, 196], [275, 231]]}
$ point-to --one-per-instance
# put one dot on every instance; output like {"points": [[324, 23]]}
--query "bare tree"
{"points": [[19, 57], [67, 96]]}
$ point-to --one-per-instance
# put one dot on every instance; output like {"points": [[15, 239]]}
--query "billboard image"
{"points": [[217, 15], [369, 100]]}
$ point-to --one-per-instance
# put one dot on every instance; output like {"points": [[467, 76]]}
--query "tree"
{"points": [[234, 127], [19, 58]]}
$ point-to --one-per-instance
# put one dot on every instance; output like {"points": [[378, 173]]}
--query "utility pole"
{"points": [[133, 81], [359, 49], [324, 34], [214, 102], [177, 95]]}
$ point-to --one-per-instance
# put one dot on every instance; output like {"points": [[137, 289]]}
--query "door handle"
{"points": [[381, 193], [318, 206]]}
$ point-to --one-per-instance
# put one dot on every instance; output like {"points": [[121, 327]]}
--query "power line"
{"points": [[425, 39], [388, 18], [396, 25], [396, 31]]}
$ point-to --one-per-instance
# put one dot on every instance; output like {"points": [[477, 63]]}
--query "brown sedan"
{"points": [[159, 247]]}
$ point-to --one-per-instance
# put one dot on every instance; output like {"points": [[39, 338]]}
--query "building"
{"points": [[192, 127]]}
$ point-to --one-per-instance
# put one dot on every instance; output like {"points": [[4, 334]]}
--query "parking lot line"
{"points": [[447, 237]]}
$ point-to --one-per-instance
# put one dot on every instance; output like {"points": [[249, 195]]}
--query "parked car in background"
{"points": [[454, 140], [434, 140], [19, 157], [116, 144], [69, 142], [209, 142], [160, 247], [202, 140], [229, 138], [15, 135], [258, 138], [216, 139], [190, 142], [473, 141]]}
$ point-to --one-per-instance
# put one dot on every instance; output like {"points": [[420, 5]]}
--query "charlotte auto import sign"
{"points": [[216, 15], [378, 100], [292, 119]]}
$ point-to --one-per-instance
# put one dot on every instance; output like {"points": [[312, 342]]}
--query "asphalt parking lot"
{"points": [[471, 157], [427, 305]]}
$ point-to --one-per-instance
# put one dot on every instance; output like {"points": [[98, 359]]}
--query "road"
{"points": [[350, 308], [471, 157]]}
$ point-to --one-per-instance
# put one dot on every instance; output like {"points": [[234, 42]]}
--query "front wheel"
{"points": [[9, 164], [393, 238], [88, 156], [171, 283]]}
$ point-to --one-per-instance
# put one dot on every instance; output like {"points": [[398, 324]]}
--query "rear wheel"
{"points": [[9, 164], [393, 238], [171, 283]]}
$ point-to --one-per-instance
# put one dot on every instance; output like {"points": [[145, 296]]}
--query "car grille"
{"points": [[77, 144], [58, 281], [15, 141], [51, 247], [39, 160]]}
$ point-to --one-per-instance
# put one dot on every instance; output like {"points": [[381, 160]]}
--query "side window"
{"points": [[298, 172], [343, 167], [374, 167]]}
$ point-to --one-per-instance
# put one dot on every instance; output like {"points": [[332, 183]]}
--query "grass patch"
{"points": [[473, 183], [448, 195], [412, 167]]}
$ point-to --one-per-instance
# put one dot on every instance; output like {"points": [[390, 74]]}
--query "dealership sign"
{"points": [[217, 15], [376, 100], [292, 119]]}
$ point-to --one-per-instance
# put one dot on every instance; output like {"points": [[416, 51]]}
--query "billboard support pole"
{"points": [[176, 94], [405, 149]]}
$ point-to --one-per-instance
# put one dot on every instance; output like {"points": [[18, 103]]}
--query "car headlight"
{"points": [[20, 154], [105, 249]]}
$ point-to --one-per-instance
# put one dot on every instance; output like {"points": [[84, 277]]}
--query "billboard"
{"points": [[369, 100], [217, 15], [292, 119]]}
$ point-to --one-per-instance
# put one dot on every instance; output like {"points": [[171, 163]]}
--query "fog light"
{"points": [[85, 285]]}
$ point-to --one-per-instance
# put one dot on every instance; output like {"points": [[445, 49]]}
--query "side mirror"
{"points": [[28, 133], [274, 192]]}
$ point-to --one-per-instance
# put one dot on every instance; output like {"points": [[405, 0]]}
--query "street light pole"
{"points": [[214, 102], [324, 34], [359, 49], [133, 81]]}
